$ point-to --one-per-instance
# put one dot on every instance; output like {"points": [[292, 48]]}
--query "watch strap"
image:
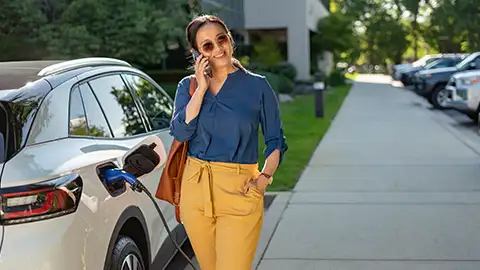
{"points": [[268, 176]]}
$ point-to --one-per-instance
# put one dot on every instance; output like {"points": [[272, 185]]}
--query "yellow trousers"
{"points": [[222, 223]]}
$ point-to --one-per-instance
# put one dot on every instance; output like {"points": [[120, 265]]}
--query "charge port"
{"points": [[114, 189]]}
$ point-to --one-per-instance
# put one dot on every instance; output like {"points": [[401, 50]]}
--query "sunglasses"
{"points": [[222, 40]]}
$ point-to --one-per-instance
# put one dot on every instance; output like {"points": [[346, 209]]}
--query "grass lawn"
{"points": [[303, 131]]}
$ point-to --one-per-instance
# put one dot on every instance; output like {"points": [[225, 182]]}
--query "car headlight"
{"points": [[469, 81]]}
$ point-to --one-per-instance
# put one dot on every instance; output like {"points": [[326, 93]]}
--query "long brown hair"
{"points": [[197, 23]]}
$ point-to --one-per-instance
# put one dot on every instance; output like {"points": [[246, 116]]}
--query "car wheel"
{"points": [[439, 97], [126, 255]]}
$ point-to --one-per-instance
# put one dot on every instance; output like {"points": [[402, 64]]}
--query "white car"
{"points": [[58, 133], [463, 93]]}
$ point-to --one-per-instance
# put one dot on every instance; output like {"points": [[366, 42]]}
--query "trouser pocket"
{"points": [[229, 198], [191, 190]]}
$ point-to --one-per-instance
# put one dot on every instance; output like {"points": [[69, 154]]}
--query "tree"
{"points": [[413, 6], [388, 37], [138, 31], [468, 18], [335, 33], [266, 52], [19, 29], [442, 30], [380, 27]]}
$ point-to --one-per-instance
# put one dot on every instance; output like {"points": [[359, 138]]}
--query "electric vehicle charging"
{"points": [[143, 159]]}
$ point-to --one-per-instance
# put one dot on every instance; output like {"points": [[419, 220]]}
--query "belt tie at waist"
{"points": [[208, 167], [207, 188]]}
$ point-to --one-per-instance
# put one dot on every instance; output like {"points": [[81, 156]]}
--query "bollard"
{"points": [[319, 88]]}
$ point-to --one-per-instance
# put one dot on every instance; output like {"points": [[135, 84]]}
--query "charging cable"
{"points": [[113, 175]]}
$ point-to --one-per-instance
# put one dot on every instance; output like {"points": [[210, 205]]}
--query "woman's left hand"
{"points": [[260, 184]]}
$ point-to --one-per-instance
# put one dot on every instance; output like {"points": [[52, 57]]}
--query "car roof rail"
{"points": [[82, 62]]}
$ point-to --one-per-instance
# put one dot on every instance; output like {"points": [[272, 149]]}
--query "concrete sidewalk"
{"points": [[388, 188]]}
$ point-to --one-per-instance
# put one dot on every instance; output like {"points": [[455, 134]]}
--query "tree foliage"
{"points": [[388, 30], [335, 34], [369, 27], [138, 31], [20, 22]]}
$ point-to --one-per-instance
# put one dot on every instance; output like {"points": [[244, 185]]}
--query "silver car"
{"points": [[61, 126], [463, 91]]}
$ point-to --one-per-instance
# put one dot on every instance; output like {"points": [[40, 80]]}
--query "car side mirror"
{"points": [[145, 156], [472, 65]]}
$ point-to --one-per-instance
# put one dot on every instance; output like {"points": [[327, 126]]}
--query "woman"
{"points": [[222, 189]]}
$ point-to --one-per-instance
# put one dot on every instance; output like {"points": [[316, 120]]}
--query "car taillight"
{"points": [[39, 201]]}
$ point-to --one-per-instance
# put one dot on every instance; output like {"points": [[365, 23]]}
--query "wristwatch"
{"points": [[269, 177]]}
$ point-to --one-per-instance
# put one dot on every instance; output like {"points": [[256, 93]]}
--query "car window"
{"points": [[477, 62], [78, 120], [465, 62], [432, 64], [451, 63], [96, 122], [156, 104], [443, 64], [118, 106]]}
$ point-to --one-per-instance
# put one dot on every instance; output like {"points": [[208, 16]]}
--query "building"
{"points": [[230, 11], [292, 23]]}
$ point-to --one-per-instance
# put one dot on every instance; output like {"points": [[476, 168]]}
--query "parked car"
{"points": [[407, 75], [61, 126], [431, 83], [464, 93], [397, 69]]}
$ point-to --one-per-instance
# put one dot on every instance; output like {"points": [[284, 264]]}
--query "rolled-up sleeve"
{"points": [[271, 122], [179, 129]]}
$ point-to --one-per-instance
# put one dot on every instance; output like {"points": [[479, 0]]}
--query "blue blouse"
{"points": [[226, 128]]}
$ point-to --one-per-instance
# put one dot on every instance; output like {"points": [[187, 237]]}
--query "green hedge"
{"points": [[279, 83], [336, 78], [285, 69], [170, 88]]}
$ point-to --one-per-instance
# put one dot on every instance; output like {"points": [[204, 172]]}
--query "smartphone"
{"points": [[208, 70]]}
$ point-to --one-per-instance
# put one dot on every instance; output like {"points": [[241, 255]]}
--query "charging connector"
{"points": [[113, 175]]}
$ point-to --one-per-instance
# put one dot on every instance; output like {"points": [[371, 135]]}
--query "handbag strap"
{"points": [[193, 87]]}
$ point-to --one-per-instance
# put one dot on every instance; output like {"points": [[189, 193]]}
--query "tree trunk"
{"points": [[415, 34]]}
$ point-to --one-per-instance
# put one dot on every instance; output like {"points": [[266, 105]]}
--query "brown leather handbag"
{"points": [[170, 182]]}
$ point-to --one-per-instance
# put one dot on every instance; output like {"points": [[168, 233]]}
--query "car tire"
{"points": [[473, 116], [437, 95], [125, 254]]}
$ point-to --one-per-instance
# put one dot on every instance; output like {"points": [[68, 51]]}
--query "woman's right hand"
{"points": [[203, 80]]}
